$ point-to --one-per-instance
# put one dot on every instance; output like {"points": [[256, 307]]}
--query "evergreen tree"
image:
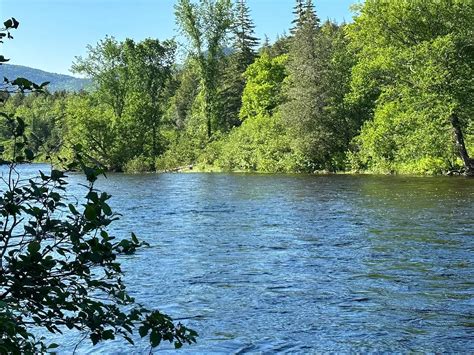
{"points": [[244, 54], [281, 46], [309, 15], [245, 41], [303, 111], [265, 45], [298, 12]]}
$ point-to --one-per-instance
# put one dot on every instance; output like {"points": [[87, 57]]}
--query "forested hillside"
{"points": [[391, 92], [57, 82]]}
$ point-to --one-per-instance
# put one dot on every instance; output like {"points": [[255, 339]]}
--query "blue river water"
{"points": [[299, 263]]}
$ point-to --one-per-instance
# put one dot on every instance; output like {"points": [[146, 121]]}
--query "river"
{"points": [[300, 263]]}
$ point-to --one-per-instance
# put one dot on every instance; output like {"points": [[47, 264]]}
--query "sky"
{"points": [[53, 32]]}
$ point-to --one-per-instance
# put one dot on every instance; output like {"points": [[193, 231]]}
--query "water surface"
{"points": [[297, 263]]}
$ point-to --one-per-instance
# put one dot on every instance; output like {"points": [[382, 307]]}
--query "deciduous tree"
{"points": [[415, 77], [206, 25]]}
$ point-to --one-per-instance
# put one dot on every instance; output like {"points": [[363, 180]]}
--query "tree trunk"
{"points": [[467, 161]]}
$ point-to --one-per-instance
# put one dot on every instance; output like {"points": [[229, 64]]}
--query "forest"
{"points": [[391, 92]]}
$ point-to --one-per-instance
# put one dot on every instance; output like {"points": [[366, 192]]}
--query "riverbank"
{"points": [[199, 168]]}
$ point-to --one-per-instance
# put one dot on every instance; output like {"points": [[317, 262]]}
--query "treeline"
{"points": [[392, 92]]}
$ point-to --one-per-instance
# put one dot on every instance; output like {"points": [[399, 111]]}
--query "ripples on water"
{"points": [[283, 263]]}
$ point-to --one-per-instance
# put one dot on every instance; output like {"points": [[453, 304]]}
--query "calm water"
{"points": [[283, 263]]}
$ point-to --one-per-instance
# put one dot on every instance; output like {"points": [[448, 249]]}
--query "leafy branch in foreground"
{"points": [[59, 265], [8, 86]]}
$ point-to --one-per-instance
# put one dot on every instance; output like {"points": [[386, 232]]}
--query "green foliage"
{"points": [[413, 82], [206, 25], [391, 92], [262, 93], [43, 115], [236, 63], [92, 124], [279, 47], [181, 103], [139, 164], [132, 90], [245, 41], [182, 151], [319, 70], [259, 144], [403, 140], [59, 265]]}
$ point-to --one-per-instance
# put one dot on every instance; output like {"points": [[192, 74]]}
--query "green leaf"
{"points": [[23, 83], [108, 335], [29, 154], [104, 235], [34, 247], [8, 23], [143, 331], [56, 175], [90, 212], [94, 338], [155, 338], [129, 339], [11, 23], [73, 209], [107, 210], [53, 346], [91, 174]]}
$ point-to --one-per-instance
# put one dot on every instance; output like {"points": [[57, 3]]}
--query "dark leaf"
{"points": [[90, 212], [155, 338], [29, 154], [15, 23], [34, 247], [143, 331]]}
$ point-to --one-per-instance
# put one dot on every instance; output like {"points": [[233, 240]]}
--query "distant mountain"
{"points": [[58, 82]]}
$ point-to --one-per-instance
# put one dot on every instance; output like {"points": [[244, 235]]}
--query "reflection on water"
{"points": [[282, 263]]}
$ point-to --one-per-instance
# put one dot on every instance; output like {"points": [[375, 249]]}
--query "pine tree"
{"points": [[245, 41], [298, 12], [265, 47], [306, 98], [244, 54], [309, 14]]}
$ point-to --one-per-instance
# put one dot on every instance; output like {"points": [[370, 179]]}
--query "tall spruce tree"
{"points": [[245, 41], [298, 12], [304, 108], [244, 45]]}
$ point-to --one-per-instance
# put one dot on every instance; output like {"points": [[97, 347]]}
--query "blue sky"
{"points": [[53, 32]]}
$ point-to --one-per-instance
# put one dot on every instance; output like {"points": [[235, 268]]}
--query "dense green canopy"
{"points": [[391, 92]]}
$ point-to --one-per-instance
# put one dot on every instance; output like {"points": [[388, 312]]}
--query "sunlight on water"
{"points": [[286, 263]]}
